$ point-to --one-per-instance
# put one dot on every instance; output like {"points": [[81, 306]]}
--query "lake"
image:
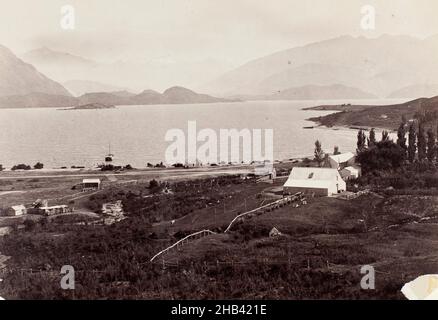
{"points": [[136, 133]]}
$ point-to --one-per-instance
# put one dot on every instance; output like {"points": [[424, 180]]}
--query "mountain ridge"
{"points": [[377, 65], [313, 92], [173, 95], [80, 87], [20, 78], [420, 90]]}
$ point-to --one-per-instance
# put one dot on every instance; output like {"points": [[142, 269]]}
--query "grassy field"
{"points": [[318, 256]]}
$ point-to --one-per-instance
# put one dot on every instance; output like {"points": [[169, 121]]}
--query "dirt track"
{"points": [[151, 172]]}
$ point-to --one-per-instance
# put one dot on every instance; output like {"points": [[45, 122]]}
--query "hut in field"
{"points": [[17, 210], [90, 184]]}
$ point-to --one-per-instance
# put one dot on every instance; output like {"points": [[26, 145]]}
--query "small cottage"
{"points": [[350, 172], [90, 184], [342, 160], [17, 210]]}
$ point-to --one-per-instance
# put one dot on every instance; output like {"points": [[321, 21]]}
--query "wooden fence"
{"points": [[267, 207], [196, 235], [203, 233]]}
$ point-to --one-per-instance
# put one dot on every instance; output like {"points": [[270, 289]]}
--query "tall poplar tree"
{"points": [[319, 153], [401, 137], [431, 145], [421, 143], [412, 148], [361, 140]]}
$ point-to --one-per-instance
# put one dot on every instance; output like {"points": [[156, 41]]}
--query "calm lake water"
{"points": [[136, 133]]}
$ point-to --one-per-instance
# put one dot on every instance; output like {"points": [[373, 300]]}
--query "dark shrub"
{"points": [[29, 224], [383, 155], [21, 166], [38, 165], [178, 165], [153, 184]]}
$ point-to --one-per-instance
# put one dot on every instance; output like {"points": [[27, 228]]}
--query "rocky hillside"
{"points": [[20, 78]]}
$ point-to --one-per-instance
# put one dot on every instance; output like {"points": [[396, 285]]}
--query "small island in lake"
{"points": [[91, 106]]}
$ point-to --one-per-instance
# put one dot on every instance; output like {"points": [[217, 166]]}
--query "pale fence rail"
{"points": [[271, 205], [196, 235], [203, 233]]}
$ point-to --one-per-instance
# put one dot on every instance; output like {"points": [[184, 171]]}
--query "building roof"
{"points": [[342, 157], [264, 170], [312, 177], [91, 181], [19, 207], [54, 207], [352, 168]]}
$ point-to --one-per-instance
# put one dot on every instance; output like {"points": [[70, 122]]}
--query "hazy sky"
{"points": [[230, 31]]}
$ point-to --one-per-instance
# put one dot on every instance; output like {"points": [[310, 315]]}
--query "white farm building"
{"points": [[90, 184], [317, 181], [342, 160], [17, 210], [351, 172]]}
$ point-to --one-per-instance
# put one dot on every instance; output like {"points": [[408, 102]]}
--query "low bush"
{"points": [[38, 165], [21, 166]]}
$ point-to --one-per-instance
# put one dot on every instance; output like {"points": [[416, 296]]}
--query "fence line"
{"points": [[202, 233], [270, 205]]}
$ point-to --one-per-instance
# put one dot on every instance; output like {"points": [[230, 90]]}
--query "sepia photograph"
{"points": [[242, 151]]}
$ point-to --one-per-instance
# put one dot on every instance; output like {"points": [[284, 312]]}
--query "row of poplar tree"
{"points": [[417, 144]]}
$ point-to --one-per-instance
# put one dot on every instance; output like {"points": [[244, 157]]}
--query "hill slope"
{"points": [[312, 92], [60, 66], [425, 91], [20, 78], [379, 66], [80, 87], [388, 116], [174, 95]]}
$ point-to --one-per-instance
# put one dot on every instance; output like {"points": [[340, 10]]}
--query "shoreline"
{"points": [[347, 127], [96, 171], [381, 117], [315, 124]]}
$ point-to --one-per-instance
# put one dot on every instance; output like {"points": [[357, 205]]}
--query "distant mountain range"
{"points": [[379, 66], [416, 91], [312, 92], [21, 85], [341, 68], [174, 95], [60, 66], [20, 78], [132, 75], [80, 87]]}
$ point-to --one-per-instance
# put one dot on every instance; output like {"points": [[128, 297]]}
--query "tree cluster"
{"points": [[414, 144]]}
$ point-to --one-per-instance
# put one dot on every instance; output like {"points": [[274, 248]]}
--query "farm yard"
{"points": [[316, 251]]}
